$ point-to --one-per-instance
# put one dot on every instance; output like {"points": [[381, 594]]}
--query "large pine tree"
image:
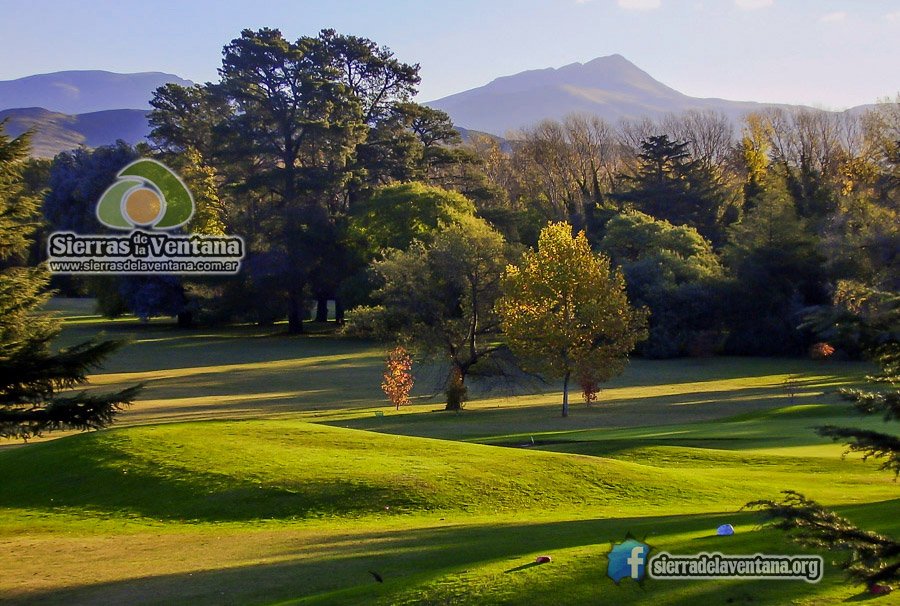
{"points": [[670, 184], [36, 382]]}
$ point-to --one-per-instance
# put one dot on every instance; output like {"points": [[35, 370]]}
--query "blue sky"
{"points": [[829, 53]]}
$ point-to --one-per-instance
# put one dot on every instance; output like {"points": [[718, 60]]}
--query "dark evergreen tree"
{"points": [[77, 180], [669, 184], [872, 558], [35, 381], [878, 400]]}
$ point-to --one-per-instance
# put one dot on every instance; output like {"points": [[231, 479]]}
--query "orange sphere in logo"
{"points": [[142, 206]]}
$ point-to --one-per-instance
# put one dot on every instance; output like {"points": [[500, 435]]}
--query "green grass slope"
{"points": [[259, 469], [282, 510]]}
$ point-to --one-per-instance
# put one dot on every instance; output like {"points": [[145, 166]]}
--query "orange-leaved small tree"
{"points": [[398, 379], [821, 351], [590, 385]]}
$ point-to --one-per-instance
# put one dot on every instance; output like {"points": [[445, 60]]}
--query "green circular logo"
{"points": [[146, 194]]}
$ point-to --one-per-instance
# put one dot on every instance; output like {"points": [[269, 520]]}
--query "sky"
{"points": [[826, 53]]}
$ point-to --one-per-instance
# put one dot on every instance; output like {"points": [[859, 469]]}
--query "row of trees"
{"points": [[733, 236], [790, 204], [561, 311]]}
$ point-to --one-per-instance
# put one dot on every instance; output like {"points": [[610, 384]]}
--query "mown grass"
{"points": [[255, 471], [442, 520]]}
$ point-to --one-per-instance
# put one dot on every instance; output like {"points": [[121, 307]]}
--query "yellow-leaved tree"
{"points": [[564, 310]]}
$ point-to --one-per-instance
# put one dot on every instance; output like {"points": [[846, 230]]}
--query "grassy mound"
{"points": [[227, 471]]}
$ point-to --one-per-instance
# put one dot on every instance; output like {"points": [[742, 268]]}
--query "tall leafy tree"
{"points": [[776, 272], [565, 310], [395, 215], [296, 132], [186, 117], [293, 113], [392, 218], [440, 296], [35, 380], [673, 271]]}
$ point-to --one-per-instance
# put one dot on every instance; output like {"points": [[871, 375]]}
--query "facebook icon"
{"points": [[628, 559]]}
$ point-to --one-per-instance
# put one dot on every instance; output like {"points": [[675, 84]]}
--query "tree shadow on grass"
{"points": [[523, 567], [865, 596], [515, 425], [419, 558], [99, 476], [399, 556]]}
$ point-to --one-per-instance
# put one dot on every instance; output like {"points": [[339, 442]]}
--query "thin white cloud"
{"points": [[835, 17], [893, 17], [639, 5], [752, 5]]}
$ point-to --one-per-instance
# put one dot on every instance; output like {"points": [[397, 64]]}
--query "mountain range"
{"points": [[79, 92], [55, 131], [73, 108], [91, 108]]}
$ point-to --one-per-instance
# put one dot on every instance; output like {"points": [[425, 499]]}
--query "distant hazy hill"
{"points": [[56, 132], [68, 109], [610, 87], [79, 92]]}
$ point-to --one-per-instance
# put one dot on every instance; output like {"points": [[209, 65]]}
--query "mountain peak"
{"points": [[614, 58], [611, 71], [614, 62], [610, 86]]}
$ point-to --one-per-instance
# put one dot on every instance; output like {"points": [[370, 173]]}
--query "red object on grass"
{"points": [[542, 559]]}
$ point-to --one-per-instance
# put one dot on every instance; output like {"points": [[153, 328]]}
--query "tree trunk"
{"points": [[185, 319], [565, 412], [338, 312], [456, 389], [322, 309], [295, 315]]}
